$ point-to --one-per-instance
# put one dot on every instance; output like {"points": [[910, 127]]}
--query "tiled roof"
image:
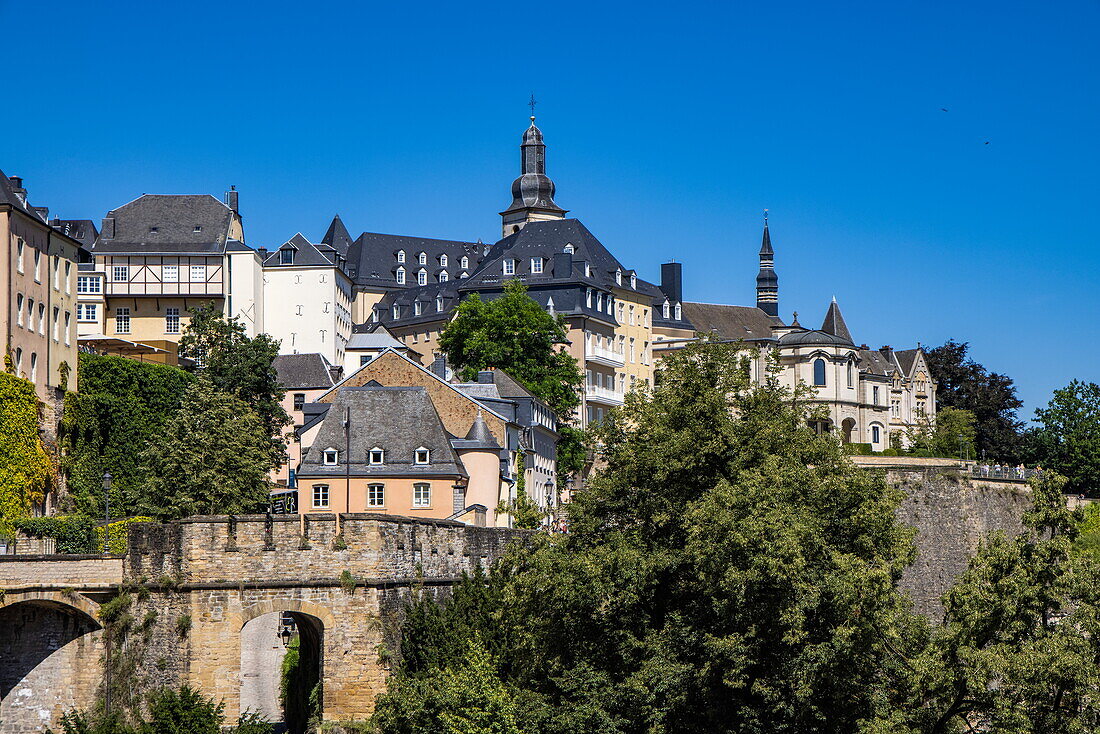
{"points": [[729, 322], [302, 371], [834, 323], [305, 254]]}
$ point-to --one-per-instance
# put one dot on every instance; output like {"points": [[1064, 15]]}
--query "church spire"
{"points": [[767, 282], [533, 191]]}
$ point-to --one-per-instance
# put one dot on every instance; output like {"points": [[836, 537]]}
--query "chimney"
{"points": [[108, 228], [485, 377], [672, 276], [336, 372], [17, 188], [563, 264], [439, 367], [886, 350], [231, 199], [43, 212]]}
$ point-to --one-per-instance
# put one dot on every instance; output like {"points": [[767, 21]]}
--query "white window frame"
{"points": [[443, 260], [88, 284], [330, 457], [400, 256], [200, 271], [19, 308], [509, 266], [444, 277], [439, 304], [85, 312], [120, 274], [171, 320], [320, 496], [422, 277], [376, 456], [422, 495], [422, 456], [422, 258], [122, 312], [465, 262], [536, 265], [376, 495], [401, 276]]}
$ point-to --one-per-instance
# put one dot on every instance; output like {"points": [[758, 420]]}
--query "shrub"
{"points": [[73, 533], [118, 534]]}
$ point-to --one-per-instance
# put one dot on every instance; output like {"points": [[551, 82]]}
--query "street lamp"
{"points": [[106, 511]]}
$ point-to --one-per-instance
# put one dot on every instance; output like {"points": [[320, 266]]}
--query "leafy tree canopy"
{"points": [[990, 396], [212, 457], [239, 365], [1067, 438]]}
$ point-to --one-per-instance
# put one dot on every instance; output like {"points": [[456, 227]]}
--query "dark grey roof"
{"points": [[659, 297], [399, 420], [372, 258], [906, 358], [509, 387], [305, 254], [874, 362], [811, 337], [766, 242], [302, 371], [338, 237], [17, 200], [168, 223], [533, 189], [82, 230], [834, 323], [730, 322], [478, 437]]}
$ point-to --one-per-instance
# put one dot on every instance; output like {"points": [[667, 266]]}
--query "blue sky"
{"points": [[670, 126]]}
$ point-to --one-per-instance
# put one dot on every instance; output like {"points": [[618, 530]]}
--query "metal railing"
{"points": [[1004, 472], [607, 354], [604, 393]]}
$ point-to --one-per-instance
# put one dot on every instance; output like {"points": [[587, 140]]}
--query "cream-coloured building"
{"points": [[38, 279]]}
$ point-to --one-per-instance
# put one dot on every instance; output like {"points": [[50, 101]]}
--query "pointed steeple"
{"points": [[767, 282], [480, 434], [337, 236], [834, 322], [533, 192]]}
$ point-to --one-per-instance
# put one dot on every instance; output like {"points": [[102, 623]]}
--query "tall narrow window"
{"points": [[665, 311], [442, 261], [19, 309], [422, 258], [874, 393], [422, 495], [876, 434], [439, 304], [56, 324], [19, 257], [34, 366], [68, 277], [679, 312], [286, 257], [465, 262], [42, 319], [819, 372], [509, 267], [299, 400], [851, 373], [422, 277], [37, 274], [122, 320], [401, 276], [171, 321], [68, 322], [400, 256], [536, 265], [56, 273], [376, 495]]}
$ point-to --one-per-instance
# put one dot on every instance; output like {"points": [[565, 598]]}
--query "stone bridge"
{"points": [[176, 608]]}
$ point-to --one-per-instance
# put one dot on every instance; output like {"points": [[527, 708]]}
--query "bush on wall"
{"points": [[26, 467]]}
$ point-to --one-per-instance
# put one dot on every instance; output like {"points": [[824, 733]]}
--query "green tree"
{"points": [[239, 365], [990, 396], [1067, 438], [953, 435], [212, 456], [26, 467]]}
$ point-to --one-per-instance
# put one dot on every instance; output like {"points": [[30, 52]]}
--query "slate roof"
{"points": [[302, 371], [168, 223], [338, 237], [730, 322], [377, 339], [306, 254], [410, 422], [812, 337], [874, 362], [659, 297], [8, 196], [906, 358], [478, 437], [82, 230], [834, 323], [372, 258]]}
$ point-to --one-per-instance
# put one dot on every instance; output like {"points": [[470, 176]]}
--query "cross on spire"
{"points": [[532, 104]]}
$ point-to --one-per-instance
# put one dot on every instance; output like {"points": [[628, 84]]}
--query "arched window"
{"points": [[819, 372], [851, 373], [876, 434]]}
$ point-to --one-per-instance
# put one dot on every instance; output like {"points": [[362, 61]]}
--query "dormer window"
{"points": [[418, 307], [286, 257], [665, 310], [569, 248], [439, 304], [588, 298], [422, 277], [679, 313], [442, 261], [154, 230], [400, 256], [463, 274], [422, 258], [401, 276], [536, 265], [198, 228], [618, 277], [634, 281], [587, 270], [396, 311], [376, 457], [509, 267], [422, 456], [331, 457], [465, 262], [443, 277]]}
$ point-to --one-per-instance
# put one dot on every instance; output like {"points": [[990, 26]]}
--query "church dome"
{"points": [[813, 337]]}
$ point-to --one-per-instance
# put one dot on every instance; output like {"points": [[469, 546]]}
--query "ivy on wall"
{"points": [[26, 467]]}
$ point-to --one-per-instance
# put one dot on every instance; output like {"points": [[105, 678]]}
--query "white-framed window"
{"points": [[422, 277], [443, 260], [679, 312], [56, 273], [536, 265], [439, 304], [122, 320], [400, 256], [666, 312], [509, 267], [376, 457], [422, 258], [376, 495], [618, 277], [56, 324], [422, 495], [443, 277], [198, 273], [19, 257], [588, 298], [68, 279], [632, 314], [330, 457], [19, 309], [42, 318], [401, 276], [320, 496], [120, 273], [87, 311], [37, 279], [418, 308], [569, 248], [634, 281], [34, 366], [68, 324], [286, 256], [171, 321], [465, 262], [587, 270], [396, 311], [422, 455], [89, 284]]}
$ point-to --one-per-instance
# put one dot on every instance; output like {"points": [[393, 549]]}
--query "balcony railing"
{"points": [[608, 395], [602, 355]]}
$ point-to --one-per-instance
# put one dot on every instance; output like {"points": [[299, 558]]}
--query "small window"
{"points": [[401, 276], [331, 457], [618, 277], [536, 265], [400, 256], [418, 307], [19, 309], [56, 323], [396, 311], [171, 321], [465, 262], [364, 359], [376, 495], [569, 248], [198, 228], [377, 456], [876, 435], [819, 372], [120, 273], [666, 312], [154, 230], [679, 312], [442, 261], [170, 273], [634, 282], [286, 257], [422, 277], [509, 267], [443, 277], [320, 495], [422, 495], [422, 258], [439, 304], [198, 273], [587, 270], [422, 455], [299, 400]]}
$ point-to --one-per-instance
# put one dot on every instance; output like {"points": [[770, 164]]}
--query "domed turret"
{"points": [[533, 191]]}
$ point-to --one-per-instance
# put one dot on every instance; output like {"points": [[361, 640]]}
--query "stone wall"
{"points": [[25, 571]]}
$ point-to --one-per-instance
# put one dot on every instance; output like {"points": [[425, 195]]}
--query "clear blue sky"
{"points": [[671, 126]]}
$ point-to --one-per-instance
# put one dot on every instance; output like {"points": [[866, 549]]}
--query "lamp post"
{"points": [[106, 511]]}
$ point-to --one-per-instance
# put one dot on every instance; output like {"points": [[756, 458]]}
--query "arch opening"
{"points": [[848, 427], [49, 663], [281, 669]]}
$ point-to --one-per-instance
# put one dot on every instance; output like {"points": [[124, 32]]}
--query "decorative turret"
{"points": [[767, 282], [533, 191], [834, 322]]}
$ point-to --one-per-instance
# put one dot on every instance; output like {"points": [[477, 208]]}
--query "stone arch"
{"points": [[252, 611], [848, 428], [72, 599]]}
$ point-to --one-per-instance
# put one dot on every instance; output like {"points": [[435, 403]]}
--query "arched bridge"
{"points": [[212, 601]]}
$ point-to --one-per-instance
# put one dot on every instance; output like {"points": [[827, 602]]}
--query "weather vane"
{"points": [[532, 104]]}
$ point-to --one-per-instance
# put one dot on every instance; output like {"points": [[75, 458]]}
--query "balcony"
{"points": [[605, 395], [604, 356]]}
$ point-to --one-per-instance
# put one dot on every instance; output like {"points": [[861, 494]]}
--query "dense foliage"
{"points": [[1067, 437], [953, 435], [71, 533], [240, 365], [212, 457], [990, 396], [515, 334], [26, 467], [185, 711], [122, 406]]}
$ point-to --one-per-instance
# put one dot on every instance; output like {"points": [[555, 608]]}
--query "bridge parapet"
{"points": [[60, 572]]}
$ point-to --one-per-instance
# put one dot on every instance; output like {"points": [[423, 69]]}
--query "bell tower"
{"points": [[767, 282], [533, 191]]}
